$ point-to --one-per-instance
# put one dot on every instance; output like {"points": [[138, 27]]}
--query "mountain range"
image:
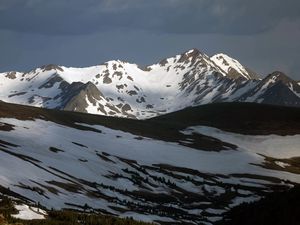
{"points": [[182, 141], [122, 89]]}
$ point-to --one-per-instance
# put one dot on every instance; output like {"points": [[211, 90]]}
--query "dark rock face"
{"points": [[132, 92], [76, 95], [276, 89], [280, 94], [232, 73], [51, 67], [193, 54], [279, 76], [11, 75], [106, 78], [163, 62], [52, 81], [17, 94]]}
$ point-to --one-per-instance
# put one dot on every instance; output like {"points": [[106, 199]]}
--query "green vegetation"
{"points": [[63, 217]]}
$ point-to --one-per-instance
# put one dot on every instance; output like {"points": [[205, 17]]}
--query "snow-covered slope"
{"points": [[26, 212], [63, 163], [122, 89], [276, 88], [232, 67]]}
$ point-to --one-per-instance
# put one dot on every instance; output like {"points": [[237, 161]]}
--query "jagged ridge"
{"points": [[122, 89]]}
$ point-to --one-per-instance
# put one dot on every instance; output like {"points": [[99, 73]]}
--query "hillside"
{"points": [[183, 168], [275, 209]]}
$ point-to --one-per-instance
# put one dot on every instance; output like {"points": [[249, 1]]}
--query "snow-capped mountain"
{"points": [[232, 67], [122, 89], [276, 88]]}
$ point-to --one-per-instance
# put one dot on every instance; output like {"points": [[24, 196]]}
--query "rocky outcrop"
{"points": [[75, 98]]}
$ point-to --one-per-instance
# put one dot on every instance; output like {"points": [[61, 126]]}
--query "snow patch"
{"points": [[29, 213]]}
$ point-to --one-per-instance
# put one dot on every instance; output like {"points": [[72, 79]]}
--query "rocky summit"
{"points": [[123, 89]]}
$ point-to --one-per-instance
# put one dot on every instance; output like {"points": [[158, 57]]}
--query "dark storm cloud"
{"points": [[262, 34], [64, 17]]}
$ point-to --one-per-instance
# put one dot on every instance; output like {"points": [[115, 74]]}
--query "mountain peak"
{"points": [[193, 52], [51, 67], [233, 68], [279, 76], [118, 88], [191, 55], [278, 73]]}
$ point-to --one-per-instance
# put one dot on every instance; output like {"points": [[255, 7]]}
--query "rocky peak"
{"points": [[77, 93], [281, 94], [51, 67], [91, 90], [11, 75], [278, 76], [190, 55], [232, 68], [52, 80]]}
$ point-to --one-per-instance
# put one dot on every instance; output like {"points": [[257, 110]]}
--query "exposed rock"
{"points": [[17, 94], [106, 78], [163, 62], [11, 75], [119, 105], [129, 78], [51, 67], [126, 108], [280, 94], [118, 74], [121, 86], [149, 106], [190, 56], [52, 81], [132, 92], [233, 74], [101, 109], [75, 97], [113, 108]]}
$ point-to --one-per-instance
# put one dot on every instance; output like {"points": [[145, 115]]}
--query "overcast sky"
{"points": [[263, 35]]}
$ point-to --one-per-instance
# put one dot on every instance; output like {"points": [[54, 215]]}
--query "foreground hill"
{"points": [[14, 213], [168, 171], [123, 89], [277, 208]]}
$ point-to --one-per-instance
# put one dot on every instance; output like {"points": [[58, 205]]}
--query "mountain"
{"points": [[277, 89], [232, 68], [122, 89], [187, 167]]}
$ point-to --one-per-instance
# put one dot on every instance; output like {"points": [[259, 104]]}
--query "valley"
{"points": [[164, 170]]}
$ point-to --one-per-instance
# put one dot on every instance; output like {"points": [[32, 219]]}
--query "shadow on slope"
{"points": [[245, 118], [279, 208]]}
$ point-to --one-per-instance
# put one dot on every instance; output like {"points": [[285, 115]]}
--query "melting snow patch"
{"points": [[282, 164], [214, 218], [29, 213], [271, 145]]}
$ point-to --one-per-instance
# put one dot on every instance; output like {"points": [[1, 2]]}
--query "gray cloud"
{"points": [[263, 35], [63, 17]]}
